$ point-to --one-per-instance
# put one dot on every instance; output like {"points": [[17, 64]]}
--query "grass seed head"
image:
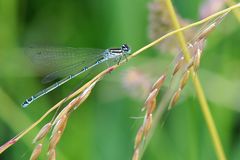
{"points": [[36, 152], [196, 60], [136, 154], [178, 65], [184, 79], [151, 108], [207, 31], [52, 154], [147, 124], [43, 132], [158, 84], [54, 140], [61, 124], [175, 98], [138, 138], [75, 102], [85, 94], [150, 101]]}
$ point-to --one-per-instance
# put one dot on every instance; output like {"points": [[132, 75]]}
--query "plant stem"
{"points": [[200, 94], [235, 12]]}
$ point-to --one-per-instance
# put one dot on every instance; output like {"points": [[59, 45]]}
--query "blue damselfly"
{"points": [[82, 61]]}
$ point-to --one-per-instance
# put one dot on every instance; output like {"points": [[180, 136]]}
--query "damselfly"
{"points": [[83, 65]]}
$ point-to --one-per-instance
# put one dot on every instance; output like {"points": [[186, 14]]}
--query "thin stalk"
{"points": [[235, 12], [200, 94]]}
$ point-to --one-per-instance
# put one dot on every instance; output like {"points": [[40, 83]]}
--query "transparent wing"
{"points": [[60, 62]]}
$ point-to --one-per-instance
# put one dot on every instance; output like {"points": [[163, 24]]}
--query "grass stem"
{"points": [[235, 12], [200, 94]]}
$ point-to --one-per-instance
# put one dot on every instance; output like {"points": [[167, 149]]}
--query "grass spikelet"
{"points": [[84, 95], [36, 152], [196, 59], [179, 64], [158, 84], [147, 124], [175, 98], [43, 132], [150, 101], [184, 79], [57, 133], [204, 33], [60, 125], [149, 106], [75, 102], [60, 121], [136, 154], [207, 31], [54, 140], [52, 154], [138, 138], [152, 107]]}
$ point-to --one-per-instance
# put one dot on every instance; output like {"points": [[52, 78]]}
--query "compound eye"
{"points": [[125, 48]]}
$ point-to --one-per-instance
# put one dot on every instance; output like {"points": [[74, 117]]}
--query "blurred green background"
{"points": [[102, 128]]}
